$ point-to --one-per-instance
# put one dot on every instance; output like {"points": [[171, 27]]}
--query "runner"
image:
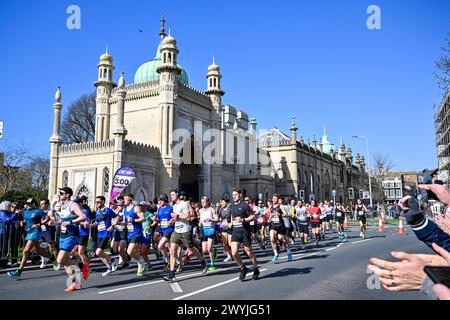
{"points": [[315, 213], [208, 218], [34, 218], [340, 217], [134, 217], [329, 211], [103, 222], [262, 223], [241, 215], [71, 216], [323, 220], [120, 235], [360, 212], [287, 219], [182, 234], [83, 239], [253, 224], [277, 227], [302, 222], [147, 229], [165, 227], [225, 218], [47, 232]]}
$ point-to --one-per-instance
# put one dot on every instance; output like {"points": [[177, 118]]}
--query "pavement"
{"points": [[337, 269]]}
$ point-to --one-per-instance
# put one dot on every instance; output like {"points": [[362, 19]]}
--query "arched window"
{"points": [[104, 73], [164, 57], [105, 181], [210, 82], [215, 83], [170, 57], [65, 178]]}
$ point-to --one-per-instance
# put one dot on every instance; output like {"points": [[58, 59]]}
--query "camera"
{"points": [[421, 194]]}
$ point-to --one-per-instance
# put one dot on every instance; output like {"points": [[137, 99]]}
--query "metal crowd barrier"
{"points": [[12, 236]]}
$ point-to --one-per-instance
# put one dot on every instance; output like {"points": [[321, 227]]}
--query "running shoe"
{"points": [[126, 265], [289, 257], [14, 274], [212, 268], [244, 271], [114, 265], [73, 287], [204, 266], [44, 262], [227, 259], [302, 247], [317, 243], [140, 270], [274, 258], [57, 267], [215, 254], [186, 259], [255, 274], [148, 266], [167, 266], [85, 271], [171, 277], [108, 271], [360, 234], [179, 268]]}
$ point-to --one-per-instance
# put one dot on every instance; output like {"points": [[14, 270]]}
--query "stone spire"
{"points": [[162, 33], [120, 93], [214, 90], [293, 131], [314, 141], [57, 107], [55, 143]]}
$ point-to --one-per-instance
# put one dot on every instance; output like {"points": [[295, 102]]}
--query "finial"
{"points": [[235, 125], [169, 33], [293, 121], [324, 130], [58, 95], [121, 81], [106, 51], [214, 60], [162, 33]]}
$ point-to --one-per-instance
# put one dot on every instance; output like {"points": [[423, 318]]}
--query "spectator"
{"points": [[7, 219]]}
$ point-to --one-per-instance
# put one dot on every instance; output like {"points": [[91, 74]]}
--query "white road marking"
{"points": [[329, 249], [363, 240], [161, 281], [176, 287], [212, 287]]}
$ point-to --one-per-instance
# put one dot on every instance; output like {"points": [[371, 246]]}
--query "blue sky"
{"points": [[315, 60]]}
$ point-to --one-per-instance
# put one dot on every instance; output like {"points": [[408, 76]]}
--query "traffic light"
{"points": [[351, 195], [302, 195]]}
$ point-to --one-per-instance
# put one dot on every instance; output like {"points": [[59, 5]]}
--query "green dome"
{"points": [[327, 146], [147, 71]]}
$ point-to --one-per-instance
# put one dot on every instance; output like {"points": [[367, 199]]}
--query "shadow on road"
{"points": [[286, 272]]}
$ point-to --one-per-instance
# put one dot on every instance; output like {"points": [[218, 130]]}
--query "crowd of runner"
{"points": [[175, 230]]}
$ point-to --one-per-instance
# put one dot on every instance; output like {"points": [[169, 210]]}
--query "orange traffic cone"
{"points": [[380, 225], [345, 222], [401, 229]]}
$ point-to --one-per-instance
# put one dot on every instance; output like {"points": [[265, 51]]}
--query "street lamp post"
{"points": [[368, 163]]}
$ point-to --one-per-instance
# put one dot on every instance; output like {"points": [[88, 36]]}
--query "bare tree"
{"points": [[382, 166], [38, 171], [443, 65], [11, 175], [78, 123]]}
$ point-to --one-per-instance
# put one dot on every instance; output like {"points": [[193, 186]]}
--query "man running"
{"points": [[315, 213], [225, 219], [165, 227], [46, 229], [208, 219], [147, 229], [134, 218], [120, 239], [103, 218], [262, 223], [241, 215], [71, 216], [302, 222], [83, 239], [340, 217], [253, 225], [277, 227], [34, 219], [360, 212], [182, 235]]}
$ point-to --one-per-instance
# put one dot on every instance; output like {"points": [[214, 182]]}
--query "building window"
{"points": [[105, 180], [65, 179], [397, 194], [392, 193], [386, 193]]}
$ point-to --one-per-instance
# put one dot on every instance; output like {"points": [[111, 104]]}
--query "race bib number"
{"points": [[207, 224], [178, 225], [303, 218], [260, 219], [237, 224], [164, 223], [276, 219], [120, 228], [130, 227], [43, 228], [252, 223], [315, 216], [361, 213], [339, 214], [63, 229], [101, 226]]}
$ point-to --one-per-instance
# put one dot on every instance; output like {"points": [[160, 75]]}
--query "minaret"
{"points": [[342, 153], [162, 32], [55, 143], [363, 162], [168, 89], [349, 155], [293, 129], [104, 85], [120, 131], [314, 141], [214, 90]]}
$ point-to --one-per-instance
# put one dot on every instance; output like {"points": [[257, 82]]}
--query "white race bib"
{"points": [[130, 227], [43, 228], [252, 223], [120, 228], [207, 224], [260, 220], [361, 213], [339, 214], [237, 224], [63, 229], [101, 226], [164, 223], [275, 219]]}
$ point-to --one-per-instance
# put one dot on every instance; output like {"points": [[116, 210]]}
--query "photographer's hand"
{"points": [[412, 212], [439, 190]]}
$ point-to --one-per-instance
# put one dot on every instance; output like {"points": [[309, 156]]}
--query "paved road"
{"points": [[335, 270]]}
